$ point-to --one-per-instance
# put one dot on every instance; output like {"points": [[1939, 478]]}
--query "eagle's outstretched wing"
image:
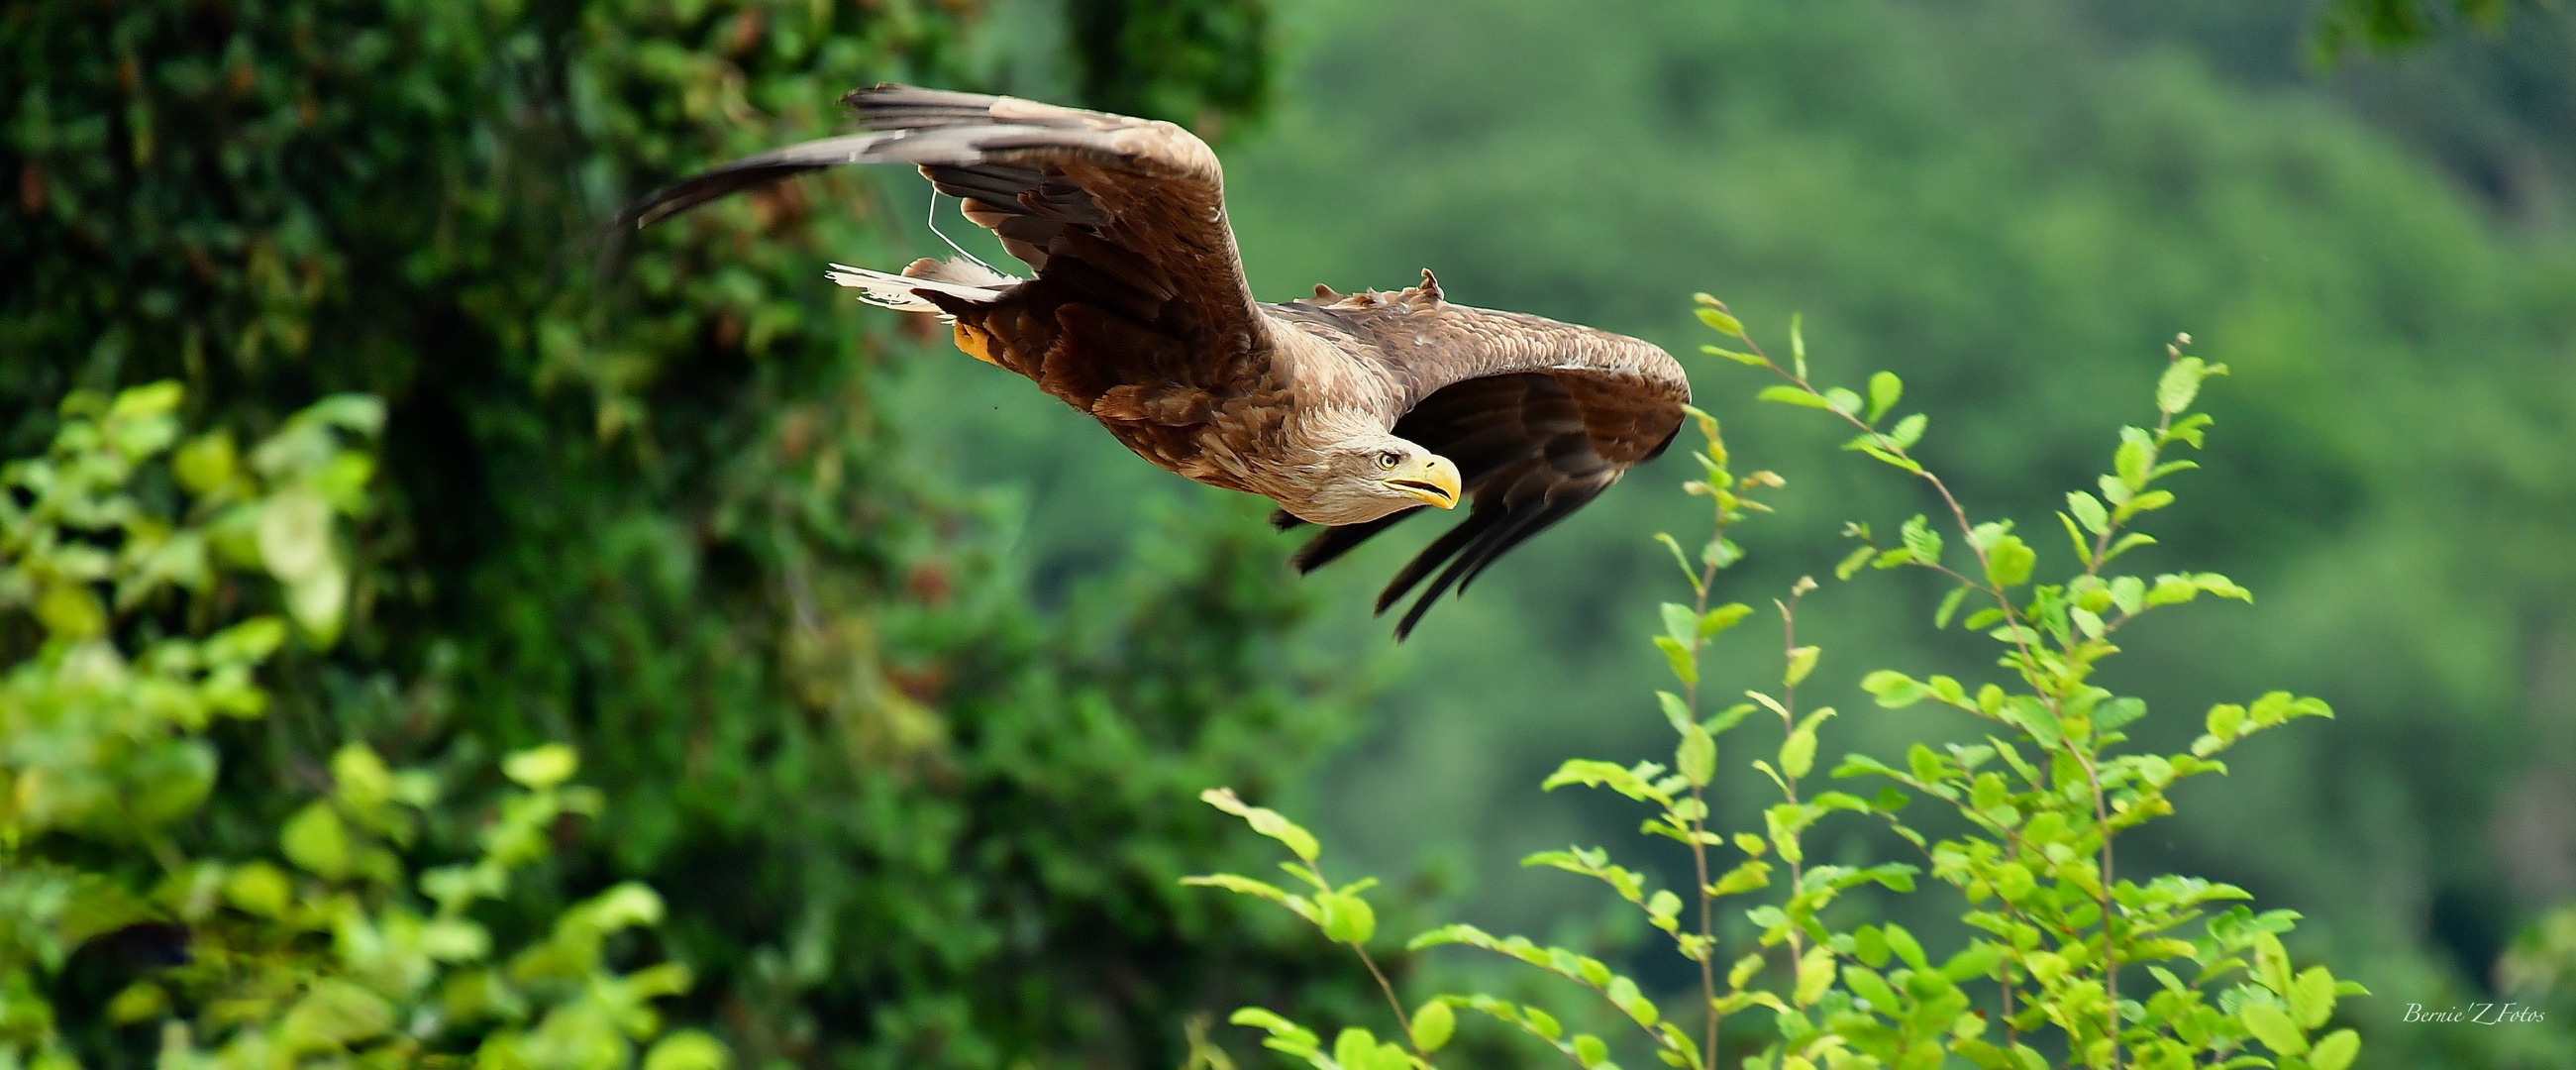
{"points": [[1539, 416], [1116, 215]]}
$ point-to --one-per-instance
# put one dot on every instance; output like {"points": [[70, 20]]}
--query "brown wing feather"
{"points": [[1540, 418], [1139, 313]]}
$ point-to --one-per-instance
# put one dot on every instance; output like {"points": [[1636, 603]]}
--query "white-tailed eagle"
{"points": [[1351, 412]]}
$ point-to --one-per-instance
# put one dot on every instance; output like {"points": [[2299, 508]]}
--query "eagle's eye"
{"points": [[1387, 458]]}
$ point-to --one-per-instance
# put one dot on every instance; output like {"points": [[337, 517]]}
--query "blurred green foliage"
{"points": [[695, 521], [106, 764], [2053, 922], [2004, 201], [647, 500], [1194, 61], [2392, 24]]}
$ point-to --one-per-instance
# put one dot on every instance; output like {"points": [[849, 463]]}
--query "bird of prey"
{"points": [[1353, 412]]}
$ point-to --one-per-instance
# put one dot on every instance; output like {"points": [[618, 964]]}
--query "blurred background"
{"points": [[901, 676]]}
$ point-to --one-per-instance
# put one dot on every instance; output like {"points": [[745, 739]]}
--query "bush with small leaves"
{"points": [[339, 953], [2030, 814]]}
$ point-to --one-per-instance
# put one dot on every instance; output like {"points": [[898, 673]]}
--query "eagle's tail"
{"points": [[959, 278]]}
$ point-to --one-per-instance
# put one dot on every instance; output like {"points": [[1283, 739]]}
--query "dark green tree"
{"points": [[643, 498]]}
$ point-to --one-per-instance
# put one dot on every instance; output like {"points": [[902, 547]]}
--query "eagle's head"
{"points": [[1361, 478]]}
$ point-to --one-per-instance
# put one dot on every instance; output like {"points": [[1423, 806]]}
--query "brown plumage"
{"points": [[1353, 412]]}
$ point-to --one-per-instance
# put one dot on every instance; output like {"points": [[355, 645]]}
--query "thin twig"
{"points": [[1402, 1021], [1699, 794]]}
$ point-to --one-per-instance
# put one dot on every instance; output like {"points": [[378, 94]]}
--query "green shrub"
{"points": [[133, 574], [667, 514], [2064, 960]]}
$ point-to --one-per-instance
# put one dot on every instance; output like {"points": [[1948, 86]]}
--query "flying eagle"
{"points": [[1354, 412]]}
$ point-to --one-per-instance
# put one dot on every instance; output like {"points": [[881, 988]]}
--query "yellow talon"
{"points": [[976, 344]]}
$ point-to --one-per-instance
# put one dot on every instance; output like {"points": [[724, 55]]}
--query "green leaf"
{"points": [[141, 1001], [1903, 944], [1720, 321], [2027, 714], [2009, 561], [1592, 773], [2013, 881], [1589, 1050], [205, 462], [2113, 491], [1884, 389], [2117, 712], [1852, 562], [1347, 919], [2188, 429], [316, 840], [2273, 1027], [1685, 666], [1269, 1021], [1893, 689], [258, 888], [1676, 712], [2179, 384], [1355, 1049], [334, 1014], [1843, 401], [2336, 1051], [1740, 358], [2075, 539], [2222, 587], [687, 1049], [1622, 993], [1752, 874], [2148, 501], [71, 611], [1815, 974], [1722, 618], [2129, 593], [1907, 431], [1978, 960], [247, 643], [1904, 463], [1432, 1025], [1265, 821], [1949, 605], [1679, 558], [1787, 394], [1681, 623], [1240, 884], [1696, 758], [2131, 460], [2171, 589], [542, 767], [1802, 660], [1798, 753], [2312, 997], [1871, 986], [146, 401], [2088, 510], [1919, 538], [362, 414]]}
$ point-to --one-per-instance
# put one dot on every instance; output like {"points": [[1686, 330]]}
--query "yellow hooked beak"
{"points": [[1430, 477]]}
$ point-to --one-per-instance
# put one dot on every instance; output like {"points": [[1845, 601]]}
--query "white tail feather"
{"points": [[956, 278]]}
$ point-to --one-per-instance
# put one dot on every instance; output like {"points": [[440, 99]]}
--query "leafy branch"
{"points": [[2037, 801]]}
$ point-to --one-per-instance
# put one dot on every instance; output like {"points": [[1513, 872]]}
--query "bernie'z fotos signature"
{"points": [[2476, 1014]]}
